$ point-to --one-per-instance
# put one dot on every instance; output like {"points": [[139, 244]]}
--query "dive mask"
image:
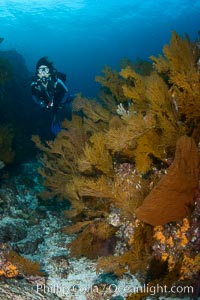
{"points": [[43, 71]]}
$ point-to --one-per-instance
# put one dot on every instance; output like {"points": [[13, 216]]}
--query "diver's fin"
{"points": [[55, 125]]}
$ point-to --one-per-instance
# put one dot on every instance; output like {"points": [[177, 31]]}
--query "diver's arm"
{"points": [[63, 85], [38, 101], [66, 98], [36, 95]]}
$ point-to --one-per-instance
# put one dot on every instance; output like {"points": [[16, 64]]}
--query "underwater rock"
{"points": [[17, 107], [117, 298], [173, 196], [14, 290], [28, 246], [12, 230], [108, 278], [61, 264]]}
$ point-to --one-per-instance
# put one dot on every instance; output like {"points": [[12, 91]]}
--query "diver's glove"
{"points": [[46, 105], [66, 101], [42, 104], [49, 104], [61, 105], [70, 98]]}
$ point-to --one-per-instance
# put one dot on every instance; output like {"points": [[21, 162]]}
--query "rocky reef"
{"points": [[115, 204]]}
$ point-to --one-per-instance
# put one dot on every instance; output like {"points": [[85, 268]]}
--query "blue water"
{"points": [[82, 36]]}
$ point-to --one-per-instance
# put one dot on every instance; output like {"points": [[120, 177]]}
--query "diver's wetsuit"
{"points": [[54, 98], [55, 95]]}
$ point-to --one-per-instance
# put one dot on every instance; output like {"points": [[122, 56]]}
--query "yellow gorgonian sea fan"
{"points": [[179, 66]]}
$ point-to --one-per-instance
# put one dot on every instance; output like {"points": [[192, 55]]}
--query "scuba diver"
{"points": [[49, 90]]}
